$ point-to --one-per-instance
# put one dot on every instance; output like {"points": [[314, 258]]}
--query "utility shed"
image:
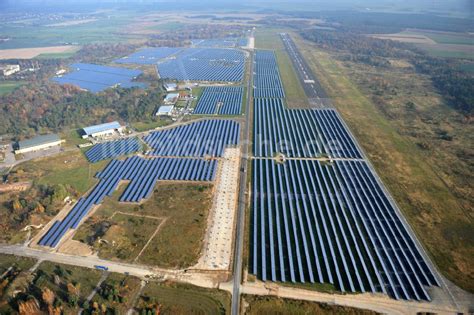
{"points": [[102, 130], [38, 143]]}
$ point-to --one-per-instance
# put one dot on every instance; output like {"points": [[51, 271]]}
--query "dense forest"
{"points": [[455, 85], [39, 107]]}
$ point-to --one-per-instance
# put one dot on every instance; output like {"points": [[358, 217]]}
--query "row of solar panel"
{"points": [[198, 139], [300, 132], [142, 174], [233, 42], [149, 56], [112, 149], [222, 100], [205, 64], [267, 81], [96, 78], [332, 223]]}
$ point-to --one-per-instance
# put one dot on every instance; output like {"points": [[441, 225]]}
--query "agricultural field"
{"points": [[407, 137], [438, 44], [182, 208], [39, 52], [180, 299], [273, 305]]}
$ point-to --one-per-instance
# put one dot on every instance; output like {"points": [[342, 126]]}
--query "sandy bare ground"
{"points": [[28, 53], [217, 249]]}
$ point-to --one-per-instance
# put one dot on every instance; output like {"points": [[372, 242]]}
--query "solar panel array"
{"points": [[324, 221], [142, 173], [300, 132], [198, 139], [149, 56], [112, 149], [96, 78], [221, 42], [205, 64], [267, 81], [315, 222], [222, 100]]}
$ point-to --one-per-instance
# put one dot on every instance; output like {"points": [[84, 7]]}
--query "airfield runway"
{"points": [[316, 95]]}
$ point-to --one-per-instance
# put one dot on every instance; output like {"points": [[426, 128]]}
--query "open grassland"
{"points": [[270, 39], [22, 263], [178, 242], [263, 305], [449, 50], [68, 168], [422, 173], [444, 37], [181, 299], [9, 86]]}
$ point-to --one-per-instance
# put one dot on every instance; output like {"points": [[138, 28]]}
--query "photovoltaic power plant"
{"points": [[222, 100], [205, 64], [96, 78], [300, 132], [221, 42], [112, 149], [321, 215], [267, 81], [143, 175], [332, 223], [204, 138], [149, 56]]}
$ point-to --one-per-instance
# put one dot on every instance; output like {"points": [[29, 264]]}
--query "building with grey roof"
{"points": [[38, 143]]}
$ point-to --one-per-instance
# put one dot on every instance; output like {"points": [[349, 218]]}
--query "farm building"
{"points": [[7, 70], [165, 110], [38, 143], [170, 87], [102, 130], [171, 98]]}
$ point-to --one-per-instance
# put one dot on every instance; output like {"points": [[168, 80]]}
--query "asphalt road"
{"points": [[311, 86], [239, 234]]}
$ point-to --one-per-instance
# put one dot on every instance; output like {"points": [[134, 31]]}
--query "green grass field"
{"points": [[64, 55], [295, 95], [22, 263], [9, 86], [103, 30], [271, 305], [68, 168], [181, 299]]}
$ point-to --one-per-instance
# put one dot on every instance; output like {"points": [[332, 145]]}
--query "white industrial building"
{"points": [[171, 98], [38, 143], [170, 87], [7, 70], [165, 110], [102, 130]]}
